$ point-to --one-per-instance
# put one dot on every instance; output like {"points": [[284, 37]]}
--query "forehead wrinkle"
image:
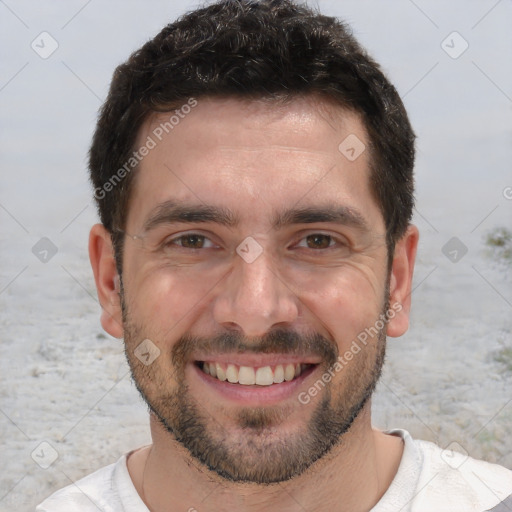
{"points": [[282, 147]]}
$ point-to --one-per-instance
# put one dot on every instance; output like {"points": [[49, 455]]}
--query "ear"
{"points": [[101, 254], [400, 285]]}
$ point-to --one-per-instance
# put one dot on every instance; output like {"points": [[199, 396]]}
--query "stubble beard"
{"points": [[256, 452]]}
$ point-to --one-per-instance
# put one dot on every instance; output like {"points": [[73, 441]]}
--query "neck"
{"points": [[353, 476]]}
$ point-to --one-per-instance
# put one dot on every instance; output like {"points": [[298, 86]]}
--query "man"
{"points": [[253, 172]]}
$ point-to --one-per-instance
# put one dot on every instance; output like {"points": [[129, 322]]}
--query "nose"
{"points": [[254, 298]]}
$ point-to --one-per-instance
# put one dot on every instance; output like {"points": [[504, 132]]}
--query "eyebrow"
{"points": [[171, 212], [336, 214]]}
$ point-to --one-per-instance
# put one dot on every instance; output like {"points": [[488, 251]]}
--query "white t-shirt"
{"points": [[428, 480]]}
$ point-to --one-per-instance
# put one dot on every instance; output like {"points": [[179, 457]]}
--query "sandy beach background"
{"points": [[66, 400]]}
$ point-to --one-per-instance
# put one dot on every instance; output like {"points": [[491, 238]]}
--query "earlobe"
{"points": [[103, 264], [400, 284]]}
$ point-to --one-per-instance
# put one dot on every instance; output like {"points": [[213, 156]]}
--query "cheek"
{"points": [[344, 301], [164, 300]]}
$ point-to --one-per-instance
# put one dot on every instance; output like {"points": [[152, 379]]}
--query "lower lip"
{"points": [[255, 395]]}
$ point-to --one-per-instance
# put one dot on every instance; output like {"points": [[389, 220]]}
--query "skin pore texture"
{"points": [[273, 173]]}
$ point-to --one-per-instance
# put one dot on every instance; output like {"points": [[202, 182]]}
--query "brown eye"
{"points": [[318, 241], [192, 241]]}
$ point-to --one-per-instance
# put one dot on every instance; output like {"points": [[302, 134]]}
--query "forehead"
{"points": [[308, 124], [253, 157]]}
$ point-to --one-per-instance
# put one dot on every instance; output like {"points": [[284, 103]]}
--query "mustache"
{"points": [[277, 341]]}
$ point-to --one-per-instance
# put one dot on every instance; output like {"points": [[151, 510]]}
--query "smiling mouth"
{"points": [[250, 375]]}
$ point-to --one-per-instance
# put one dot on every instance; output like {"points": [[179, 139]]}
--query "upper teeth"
{"points": [[248, 375]]}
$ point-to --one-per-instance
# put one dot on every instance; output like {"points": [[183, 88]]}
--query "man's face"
{"points": [[260, 252]]}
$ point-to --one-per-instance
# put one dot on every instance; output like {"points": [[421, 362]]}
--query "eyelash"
{"points": [[171, 241]]}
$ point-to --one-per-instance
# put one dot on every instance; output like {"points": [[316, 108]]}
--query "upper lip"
{"points": [[257, 360]]}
